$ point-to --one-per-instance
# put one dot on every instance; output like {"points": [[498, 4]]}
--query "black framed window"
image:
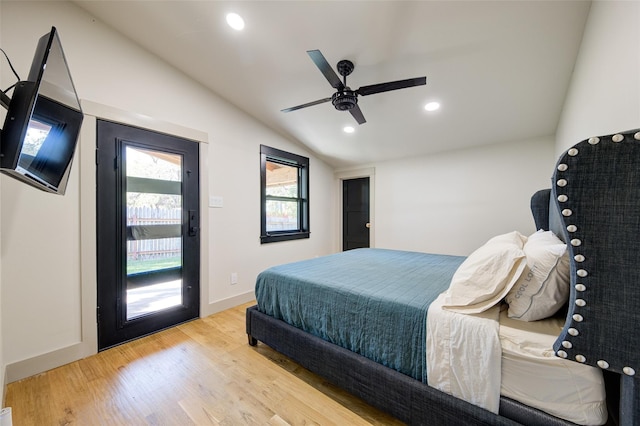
{"points": [[284, 192]]}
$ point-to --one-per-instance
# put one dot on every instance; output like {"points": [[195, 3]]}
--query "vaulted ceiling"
{"points": [[500, 69]]}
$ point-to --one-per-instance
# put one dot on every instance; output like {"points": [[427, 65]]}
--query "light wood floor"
{"points": [[199, 373]]}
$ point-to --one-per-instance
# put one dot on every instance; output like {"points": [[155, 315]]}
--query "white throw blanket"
{"points": [[464, 354]]}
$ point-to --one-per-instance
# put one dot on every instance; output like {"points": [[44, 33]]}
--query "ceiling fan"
{"points": [[346, 99]]}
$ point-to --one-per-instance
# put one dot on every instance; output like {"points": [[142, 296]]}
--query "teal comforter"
{"points": [[371, 301]]}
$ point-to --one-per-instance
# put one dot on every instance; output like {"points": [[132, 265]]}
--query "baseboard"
{"points": [[41, 363], [224, 304]]}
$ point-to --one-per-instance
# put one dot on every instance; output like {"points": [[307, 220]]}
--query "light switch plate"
{"points": [[216, 201]]}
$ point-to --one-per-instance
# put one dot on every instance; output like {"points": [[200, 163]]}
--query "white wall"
{"points": [[604, 96], [453, 202], [40, 233]]}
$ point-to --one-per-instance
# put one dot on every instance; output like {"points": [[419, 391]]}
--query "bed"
{"points": [[382, 352]]}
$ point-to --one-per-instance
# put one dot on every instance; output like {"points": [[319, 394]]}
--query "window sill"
{"points": [[284, 236]]}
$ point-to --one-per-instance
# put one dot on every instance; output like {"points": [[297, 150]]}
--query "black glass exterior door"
{"points": [[148, 232]]}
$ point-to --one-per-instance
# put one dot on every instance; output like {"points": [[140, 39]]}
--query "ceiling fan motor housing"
{"points": [[345, 99]]}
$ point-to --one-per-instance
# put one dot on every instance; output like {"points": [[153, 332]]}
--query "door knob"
{"points": [[368, 225]]}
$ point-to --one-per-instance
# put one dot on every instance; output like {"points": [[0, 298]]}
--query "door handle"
{"points": [[193, 223], [368, 225]]}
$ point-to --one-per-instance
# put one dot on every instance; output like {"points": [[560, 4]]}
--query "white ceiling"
{"points": [[500, 69]]}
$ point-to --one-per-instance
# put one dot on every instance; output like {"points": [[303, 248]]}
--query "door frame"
{"points": [[114, 142], [88, 240], [343, 175]]}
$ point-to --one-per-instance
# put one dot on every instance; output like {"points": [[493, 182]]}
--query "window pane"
{"points": [[282, 181], [282, 215], [148, 164], [146, 255], [153, 298], [153, 255], [154, 220], [153, 209]]}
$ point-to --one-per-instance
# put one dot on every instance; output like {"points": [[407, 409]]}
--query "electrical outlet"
{"points": [[234, 278]]}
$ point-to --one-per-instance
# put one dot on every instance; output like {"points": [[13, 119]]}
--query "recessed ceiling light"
{"points": [[349, 129], [235, 21], [432, 106]]}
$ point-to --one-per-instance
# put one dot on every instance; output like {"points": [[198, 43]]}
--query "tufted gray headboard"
{"points": [[596, 191]]}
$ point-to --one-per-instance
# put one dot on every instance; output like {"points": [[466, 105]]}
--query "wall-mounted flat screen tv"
{"points": [[43, 121]]}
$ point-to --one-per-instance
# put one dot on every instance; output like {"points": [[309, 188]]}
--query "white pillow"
{"points": [[543, 287], [487, 275]]}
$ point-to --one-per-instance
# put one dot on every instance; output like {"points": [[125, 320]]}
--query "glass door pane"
{"points": [[154, 231]]}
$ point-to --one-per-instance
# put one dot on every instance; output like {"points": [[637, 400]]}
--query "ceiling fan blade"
{"points": [[320, 101], [391, 85], [357, 114], [318, 58]]}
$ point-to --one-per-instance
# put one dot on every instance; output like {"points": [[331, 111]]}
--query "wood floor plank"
{"points": [[278, 421], [199, 414], [199, 373]]}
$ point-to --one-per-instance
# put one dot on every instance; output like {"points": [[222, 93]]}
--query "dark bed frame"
{"points": [[594, 205]]}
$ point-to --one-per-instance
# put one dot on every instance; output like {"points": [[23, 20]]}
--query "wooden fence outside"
{"points": [[157, 248]]}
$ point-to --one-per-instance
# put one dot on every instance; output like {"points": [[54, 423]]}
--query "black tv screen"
{"points": [[43, 121]]}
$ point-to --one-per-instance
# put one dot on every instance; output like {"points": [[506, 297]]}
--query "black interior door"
{"points": [[148, 232], [355, 213]]}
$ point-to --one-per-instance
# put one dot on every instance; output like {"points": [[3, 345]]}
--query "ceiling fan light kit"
{"points": [[345, 99]]}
